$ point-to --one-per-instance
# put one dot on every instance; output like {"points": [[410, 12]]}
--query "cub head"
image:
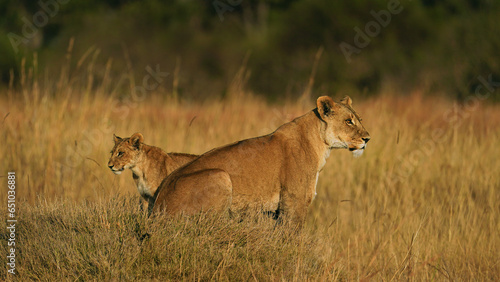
{"points": [[342, 125], [125, 153]]}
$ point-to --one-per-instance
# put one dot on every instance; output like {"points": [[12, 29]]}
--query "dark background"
{"points": [[433, 47]]}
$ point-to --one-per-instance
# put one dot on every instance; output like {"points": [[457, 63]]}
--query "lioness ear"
{"points": [[136, 140], [117, 139], [346, 101], [325, 106]]}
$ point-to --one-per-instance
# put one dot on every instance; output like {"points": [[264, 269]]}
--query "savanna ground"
{"points": [[422, 203]]}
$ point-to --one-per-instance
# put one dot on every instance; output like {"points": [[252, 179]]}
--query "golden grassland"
{"points": [[422, 203]]}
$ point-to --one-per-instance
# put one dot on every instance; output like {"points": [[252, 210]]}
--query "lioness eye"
{"points": [[349, 121]]}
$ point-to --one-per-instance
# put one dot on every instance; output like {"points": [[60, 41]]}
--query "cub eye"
{"points": [[349, 121], [120, 154]]}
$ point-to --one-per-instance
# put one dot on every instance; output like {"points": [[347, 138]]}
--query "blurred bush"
{"points": [[436, 47]]}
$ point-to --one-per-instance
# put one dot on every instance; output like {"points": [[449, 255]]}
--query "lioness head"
{"points": [[125, 152], [342, 125]]}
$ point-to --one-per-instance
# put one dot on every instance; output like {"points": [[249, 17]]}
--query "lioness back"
{"points": [[248, 161]]}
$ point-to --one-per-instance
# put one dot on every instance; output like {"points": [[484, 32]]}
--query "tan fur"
{"points": [[149, 164], [277, 172]]}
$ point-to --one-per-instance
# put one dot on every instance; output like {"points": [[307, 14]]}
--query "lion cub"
{"points": [[149, 164]]}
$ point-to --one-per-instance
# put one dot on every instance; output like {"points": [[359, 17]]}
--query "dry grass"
{"points": [[422, 203]]}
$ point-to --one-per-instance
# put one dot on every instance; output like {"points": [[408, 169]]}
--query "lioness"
{"points": [[276, 172], [149, 164]]}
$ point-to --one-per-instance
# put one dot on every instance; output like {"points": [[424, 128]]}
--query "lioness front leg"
{"points": [[293, 209], [296, 195], [206, 190]]}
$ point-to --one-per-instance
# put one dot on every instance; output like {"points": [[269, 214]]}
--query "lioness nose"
{"points": [[366, 139]]}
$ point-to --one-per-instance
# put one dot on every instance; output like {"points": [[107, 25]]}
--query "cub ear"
{"points": [[136, 140], [117, 139], [325, 106], [346, 101]]}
